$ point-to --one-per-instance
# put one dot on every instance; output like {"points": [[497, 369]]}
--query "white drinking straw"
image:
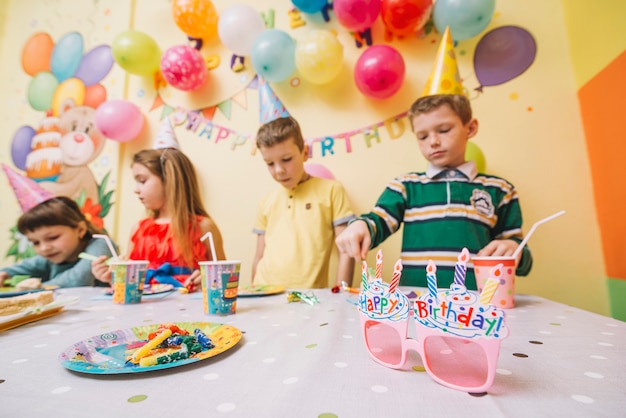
{"points": [[109, 244], [525, 240], [212, 244]]}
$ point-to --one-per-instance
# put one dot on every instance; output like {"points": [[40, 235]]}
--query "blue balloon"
{"points": [[310, 6], [20, 147], [466, 18], [66, 56], [95, 65], [273, 55]]}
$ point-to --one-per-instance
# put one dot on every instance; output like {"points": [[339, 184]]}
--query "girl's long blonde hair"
{"points": [[182, 194]]}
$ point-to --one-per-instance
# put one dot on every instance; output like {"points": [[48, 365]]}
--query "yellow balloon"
{"points": [[473, 153], [136, 52], [319, 56], [70, 93]]}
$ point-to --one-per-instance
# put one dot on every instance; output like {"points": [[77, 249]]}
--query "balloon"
{"points": [[183, 67], [310, 6], [71, 92], [405, 17], [503, 54], [96, 65], [318, 170], [273, 55], [238, 26], [319, 56], [466, 18], [37, 53], [95, 95], [41, 90], [379, 71], [67, 55], [473, 153], [197, 18], [136, 52], [20, 146], [119, 120], [356, 15]]}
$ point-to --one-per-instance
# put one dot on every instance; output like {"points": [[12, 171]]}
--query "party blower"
{"points": [[458, 332]]}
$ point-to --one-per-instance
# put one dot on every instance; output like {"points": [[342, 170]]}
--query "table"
{"points": [[300, 360]]}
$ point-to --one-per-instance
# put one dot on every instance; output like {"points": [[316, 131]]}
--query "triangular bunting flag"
{"points": [[225, 108], [241, 99], [209, 112]]}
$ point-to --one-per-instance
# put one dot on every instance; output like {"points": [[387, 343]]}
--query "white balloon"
{"points": [[238, 26]]}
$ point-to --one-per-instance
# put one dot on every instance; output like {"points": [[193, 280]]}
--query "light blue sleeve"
{"points": [[78, 273], [35, 266]]}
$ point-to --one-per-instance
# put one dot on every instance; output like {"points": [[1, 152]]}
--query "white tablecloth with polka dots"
{"points": [[298, 360]]}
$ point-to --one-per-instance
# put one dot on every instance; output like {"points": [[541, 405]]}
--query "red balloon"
{"points": [[356, 15], [405, 17], [379, 72]]}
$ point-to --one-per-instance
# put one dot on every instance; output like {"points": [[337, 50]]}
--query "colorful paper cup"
{"points": [[504, 296], [128, 277], [220, 280]]}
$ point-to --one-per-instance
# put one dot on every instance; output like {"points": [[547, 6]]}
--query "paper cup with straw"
{"points": [[220, 282]]}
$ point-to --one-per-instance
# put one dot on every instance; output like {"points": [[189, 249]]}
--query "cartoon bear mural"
{"points": [[81, 142]]}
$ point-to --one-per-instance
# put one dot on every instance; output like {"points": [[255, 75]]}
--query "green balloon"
{"points": [[473, 153], [136, 52], [41, 90]]}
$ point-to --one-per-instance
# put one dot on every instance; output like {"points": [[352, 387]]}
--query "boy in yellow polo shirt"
{"points": [[297, 224]]}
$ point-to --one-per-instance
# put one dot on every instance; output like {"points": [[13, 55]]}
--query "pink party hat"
{"points": [[166, 137], [270, 107], [27, 191], [444, 77]]}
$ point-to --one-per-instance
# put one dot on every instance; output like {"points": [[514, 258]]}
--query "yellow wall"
{"points": [[530, 131]]}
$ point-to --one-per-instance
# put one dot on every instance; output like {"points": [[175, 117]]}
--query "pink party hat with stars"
{"points": [[27, 191], [444, 76], [270, 107], [166, 137]]}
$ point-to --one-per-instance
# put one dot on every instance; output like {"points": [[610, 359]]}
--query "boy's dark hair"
{"points": [[457, 102], [280, 130], [59, 210]]}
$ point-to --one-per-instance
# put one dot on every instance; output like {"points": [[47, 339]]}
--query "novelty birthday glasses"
{"points": [[458, 337]]}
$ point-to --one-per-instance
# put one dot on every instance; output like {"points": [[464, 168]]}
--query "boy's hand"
{"points": [[3, 276], [100, 270], [500, 248], [355, 240]]}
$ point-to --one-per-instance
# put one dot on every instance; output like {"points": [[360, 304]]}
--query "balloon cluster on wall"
{"points": [[64, 77], [318, 55]]}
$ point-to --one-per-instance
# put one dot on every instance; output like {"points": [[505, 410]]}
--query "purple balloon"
{"points": [[95, 65], [503, 54], [20, 147]]}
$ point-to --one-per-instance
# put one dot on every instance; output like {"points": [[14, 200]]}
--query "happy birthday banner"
{"points": [[200, 121]]}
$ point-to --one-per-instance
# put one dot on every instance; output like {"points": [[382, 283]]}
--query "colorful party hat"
{"points": [[270, 107], [27, 191], [166, 137], [444, 77]]}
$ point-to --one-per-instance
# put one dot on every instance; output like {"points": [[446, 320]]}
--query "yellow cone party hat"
{"points": [[444, 77]]}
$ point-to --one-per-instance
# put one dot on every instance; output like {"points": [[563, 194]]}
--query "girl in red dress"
{"points": [[167, 185]]}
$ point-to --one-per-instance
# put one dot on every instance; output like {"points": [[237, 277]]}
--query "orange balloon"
{"points": [[197, 18], [37, 53], [95, 95]]}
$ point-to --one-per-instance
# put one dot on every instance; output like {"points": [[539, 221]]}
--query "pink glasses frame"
{"points": [[491, 347]]}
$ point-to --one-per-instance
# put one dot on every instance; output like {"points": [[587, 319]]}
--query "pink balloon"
{"points": [[379, 72], [184, 68], [318, 170], [119, 120], [356, 15]]}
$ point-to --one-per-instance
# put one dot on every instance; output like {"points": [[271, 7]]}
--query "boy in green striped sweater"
{"points": [[445, 208]]}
